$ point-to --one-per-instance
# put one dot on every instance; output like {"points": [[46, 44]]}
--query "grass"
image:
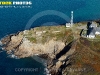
{"points": [[70, 38], [32, 39], [50, 34], [84, 32], [84, 58], [97, 36], [63, 34], [95, 46], [92, 44], [92, 73], [50, 28], [80, 24]]}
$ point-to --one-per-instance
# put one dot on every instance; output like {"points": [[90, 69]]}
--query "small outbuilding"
{"points": [[93, 24], [68, 24], [91, 33], [97, 31]]}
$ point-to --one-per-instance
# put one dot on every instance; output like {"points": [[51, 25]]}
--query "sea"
{"points": [[41, 13]]}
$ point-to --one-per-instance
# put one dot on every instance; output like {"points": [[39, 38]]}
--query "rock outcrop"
{"points": [[38, 42], [22, 47], [35, 41], [64, 54]]}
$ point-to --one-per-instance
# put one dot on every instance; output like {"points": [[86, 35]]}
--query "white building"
{"points": [[93, 24], [93, 31], [91, 36], [71, 21], [97, 31], [68, 25]]}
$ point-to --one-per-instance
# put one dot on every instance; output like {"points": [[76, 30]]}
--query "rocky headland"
{"points": [[65, 51]]}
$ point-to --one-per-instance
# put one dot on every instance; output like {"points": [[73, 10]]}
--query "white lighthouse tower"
{"points": [[71, 21]]}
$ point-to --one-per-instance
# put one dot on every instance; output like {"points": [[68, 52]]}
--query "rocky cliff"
{"points": [[65, 55]]}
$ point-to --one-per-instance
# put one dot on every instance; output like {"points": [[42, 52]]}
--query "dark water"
{"points": [[13, 20], [9, 66]]}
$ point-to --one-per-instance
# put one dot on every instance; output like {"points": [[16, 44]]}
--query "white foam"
{"points": [[47, 71], [0, 43], [13, 56], [37, 54], [3, 49]]}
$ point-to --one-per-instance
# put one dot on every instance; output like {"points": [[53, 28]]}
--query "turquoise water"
{"points": [[13, 20]]}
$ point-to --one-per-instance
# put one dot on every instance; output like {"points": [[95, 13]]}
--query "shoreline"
{"points": [[56, 43]]}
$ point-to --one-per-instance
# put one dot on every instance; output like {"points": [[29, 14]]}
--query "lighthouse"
{"points": [[71, 21]]}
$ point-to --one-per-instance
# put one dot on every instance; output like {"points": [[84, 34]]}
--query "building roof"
{"points": [[93, 24], [92, 31], [98, 29]]}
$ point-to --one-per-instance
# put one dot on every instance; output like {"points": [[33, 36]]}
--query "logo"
{"points": [[15, 4]]}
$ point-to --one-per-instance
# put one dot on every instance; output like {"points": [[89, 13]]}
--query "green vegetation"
{"points": [[47, 36], [92, 73], [49, 28], [86, 57], [98, 25], [32, 39], [46, 33], [95, 46], [84, 32], [80, 24], [60, 36], [70, 38], [55, 32], [97, 36], [92, 44]]}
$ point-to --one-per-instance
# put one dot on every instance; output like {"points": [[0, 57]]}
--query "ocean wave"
{"points": [[12, 56]]}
